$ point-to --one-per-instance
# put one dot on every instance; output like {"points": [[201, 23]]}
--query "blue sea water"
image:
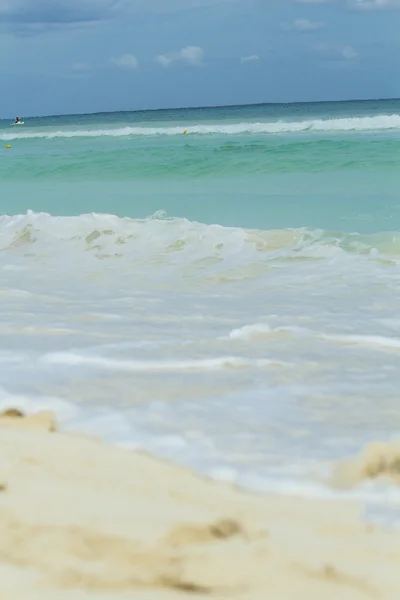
{"points": [[326, 165], [226, 297]]}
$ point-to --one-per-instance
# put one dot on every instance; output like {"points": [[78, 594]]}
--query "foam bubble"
{"points": [[251, 331], [71, 359], [377, 341]]}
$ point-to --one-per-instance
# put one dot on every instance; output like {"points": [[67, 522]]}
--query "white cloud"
{"points": [[164, 60], [171, 6], [191, 55], [64, 12], [359, 5], [374, 4], [303, 25], [81, 66], [249, 59], [125, 61], [348, 52], [312, 1], [79, 70], [49, 12], [337, 53]]}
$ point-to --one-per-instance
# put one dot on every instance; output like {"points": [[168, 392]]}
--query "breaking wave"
{"points": [[159, 237], [376, 123]]}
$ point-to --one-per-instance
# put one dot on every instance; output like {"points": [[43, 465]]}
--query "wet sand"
{"points": [[80, 519]]}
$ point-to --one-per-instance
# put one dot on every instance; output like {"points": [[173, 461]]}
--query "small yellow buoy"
{"points": [[8, 146], [185, 132]]}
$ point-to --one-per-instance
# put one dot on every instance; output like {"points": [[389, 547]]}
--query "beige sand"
{"points": [[81, 520]]}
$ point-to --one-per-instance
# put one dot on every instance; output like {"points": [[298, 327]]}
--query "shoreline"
{"points": [[81, 519]]}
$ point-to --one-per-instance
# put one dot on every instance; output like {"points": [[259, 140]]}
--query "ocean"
{"points": [[226, 298]]}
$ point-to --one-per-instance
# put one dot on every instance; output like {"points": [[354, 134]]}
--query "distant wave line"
{"points": [[376, 123]]}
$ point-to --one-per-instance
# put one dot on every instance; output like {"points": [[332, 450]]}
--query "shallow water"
{"points": [[251, 331]]}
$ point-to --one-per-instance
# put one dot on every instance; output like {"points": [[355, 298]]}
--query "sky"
{"points": [[80, 56]]}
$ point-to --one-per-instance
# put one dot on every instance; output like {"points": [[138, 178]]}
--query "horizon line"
{"points": [[216, 106]]}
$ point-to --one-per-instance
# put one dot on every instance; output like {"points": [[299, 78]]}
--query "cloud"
{"points": [[128, 62], [312, 1], [249, 59], [80, 67], [171, 6], [348, 53], [50, 12], [303, 25], [357, 5], [337, 53], [63, 12], [191, 55], [164, 60], [365, 5], [79, 70]]}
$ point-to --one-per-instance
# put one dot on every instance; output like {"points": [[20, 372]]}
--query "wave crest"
{"points": [[376, 123], [159, 238]]}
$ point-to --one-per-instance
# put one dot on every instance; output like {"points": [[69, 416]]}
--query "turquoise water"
{"points": [[326, 165], [227, 298]]}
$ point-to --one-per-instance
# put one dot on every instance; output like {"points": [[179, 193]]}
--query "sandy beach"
{"points": [[80, 519]]}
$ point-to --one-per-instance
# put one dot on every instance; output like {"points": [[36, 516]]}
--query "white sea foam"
{"points": [[375, 123], [251, 331], [375, 341], [255, 356], [167, 431], [71, 359], [260, 331], [158, 237]]}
